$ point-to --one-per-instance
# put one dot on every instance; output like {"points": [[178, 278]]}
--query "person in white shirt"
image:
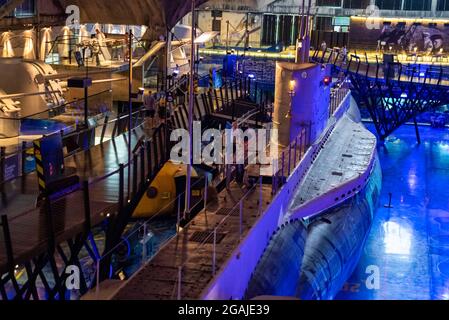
{"points": [[323, 46], [345, 54]]}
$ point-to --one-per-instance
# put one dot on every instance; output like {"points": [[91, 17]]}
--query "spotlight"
{"points": [[292, 86]]}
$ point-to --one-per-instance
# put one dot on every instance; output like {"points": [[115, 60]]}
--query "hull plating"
{"points": [[335, 242], [314, 261]]}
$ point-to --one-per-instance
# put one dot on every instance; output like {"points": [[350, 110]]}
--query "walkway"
{"points": [[193, 249], [29, 225]]}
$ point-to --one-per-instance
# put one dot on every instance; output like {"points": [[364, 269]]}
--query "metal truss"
{"points": [[393, 93], [49, 269]]}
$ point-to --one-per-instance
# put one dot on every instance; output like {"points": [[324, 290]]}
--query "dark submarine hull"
{"points": [[312, 260]]}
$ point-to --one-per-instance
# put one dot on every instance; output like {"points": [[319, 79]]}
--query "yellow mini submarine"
{"points": [[160, 198]]}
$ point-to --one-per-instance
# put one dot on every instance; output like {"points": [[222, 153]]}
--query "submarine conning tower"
{"points": [[301, 100], [322, 235]]}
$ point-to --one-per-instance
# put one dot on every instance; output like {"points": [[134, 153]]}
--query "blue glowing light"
{"points": [[397, 238]]}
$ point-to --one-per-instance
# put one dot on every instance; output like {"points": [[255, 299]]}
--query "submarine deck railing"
{"points": [[287, 164], [223, 226], [206, 255]]}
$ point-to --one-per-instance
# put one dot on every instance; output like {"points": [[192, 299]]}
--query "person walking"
{"points": [[149, 103], [345, 54], [96, 52], [323, 46], [126, 47]]}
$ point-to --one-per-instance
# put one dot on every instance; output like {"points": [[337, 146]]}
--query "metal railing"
{"points": [[338, 94], [118, 51], [233, 224], [147, 159], [289, 158], [25, 150], [380, 70], [145, 240]]}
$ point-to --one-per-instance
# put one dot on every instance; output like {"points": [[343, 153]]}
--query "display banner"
{"points": [[408, 35]]}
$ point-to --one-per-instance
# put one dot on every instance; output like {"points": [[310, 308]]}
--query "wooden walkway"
{"points": [[190, 254], [29, 225]]}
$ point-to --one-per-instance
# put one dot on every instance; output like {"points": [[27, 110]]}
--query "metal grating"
{"points": [[227, 211], [206, 237]]}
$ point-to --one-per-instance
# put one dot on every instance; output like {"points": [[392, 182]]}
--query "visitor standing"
{"points": [[323, 46], [149, 103], [345, 54], [126, 52]]}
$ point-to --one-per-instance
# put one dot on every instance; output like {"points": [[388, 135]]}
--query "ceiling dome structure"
{"points": [[158, 15]]}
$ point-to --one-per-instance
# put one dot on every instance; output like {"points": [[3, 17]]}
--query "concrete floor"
{"points": [[409, 244]]}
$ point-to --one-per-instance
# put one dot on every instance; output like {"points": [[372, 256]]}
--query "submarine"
{"points": [[323, 231]]}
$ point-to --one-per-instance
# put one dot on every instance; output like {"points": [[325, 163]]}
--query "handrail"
{"points": [[71, 134], [111, 251], [225, 218], [66, 104], [339, 57]]}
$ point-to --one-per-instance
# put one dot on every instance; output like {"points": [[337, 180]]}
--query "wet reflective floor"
{"points": [[407, 251]]}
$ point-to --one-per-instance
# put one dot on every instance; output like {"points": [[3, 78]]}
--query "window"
{"points": [[26, 9], [418, 5], [356, 4], [443, 5], [269, 26], [328, 3], [341, 21], [216, 25], [389, 4], [324, 24]]}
